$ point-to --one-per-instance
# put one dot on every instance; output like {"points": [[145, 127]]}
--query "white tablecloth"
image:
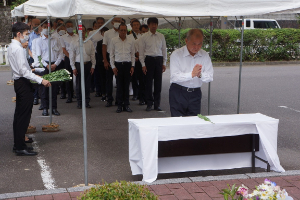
{"points": [[144, 135]]}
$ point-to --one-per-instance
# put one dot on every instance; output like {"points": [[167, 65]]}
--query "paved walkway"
{"points": [[199, 188]]}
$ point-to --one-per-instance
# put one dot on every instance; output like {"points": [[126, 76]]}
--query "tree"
{"points": [[16, 3]]}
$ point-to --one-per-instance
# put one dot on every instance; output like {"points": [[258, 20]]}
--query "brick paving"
{"points": [[208, 190]]}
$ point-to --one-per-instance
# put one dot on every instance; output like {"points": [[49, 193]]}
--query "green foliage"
{"points": [[17, 3], [120, 191], [259, 45], [231, 192]]}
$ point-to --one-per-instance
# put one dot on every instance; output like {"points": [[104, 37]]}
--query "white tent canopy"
{"points": [[36, 8], [18, 11], [159, 8]]}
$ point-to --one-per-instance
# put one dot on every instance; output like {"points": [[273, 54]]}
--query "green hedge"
{"points": [[259, 45]]}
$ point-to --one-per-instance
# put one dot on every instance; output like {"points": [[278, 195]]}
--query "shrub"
{"points": [[121, 191]]}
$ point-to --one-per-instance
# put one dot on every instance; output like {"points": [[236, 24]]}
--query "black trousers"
{"points": [[23, 110], [45, 94], [134, 82], [87, 80], [123, 80], [102, 78], [184, 103], [97, 76], [69, 84], [154, 72], [109, 82], [141, 81]]}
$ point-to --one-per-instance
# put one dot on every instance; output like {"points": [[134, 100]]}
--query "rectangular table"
{"points": [[144, 135]]}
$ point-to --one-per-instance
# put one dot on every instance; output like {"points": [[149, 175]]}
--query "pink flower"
{"points": [[243, 190]]}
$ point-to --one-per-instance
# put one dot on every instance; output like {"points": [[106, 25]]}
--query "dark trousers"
{"points": [[154, 72], [141, 79], [184, 103], [123, 80], [97, 77], [23, 110], [61, 85], [109, 82], [87, 80], [45, 94], [69, 84], [102, 78], [134, 82]]}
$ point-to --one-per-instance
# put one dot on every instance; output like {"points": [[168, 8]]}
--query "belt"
{"points": [[87, 62], [186, 88], [154, 57], [125, 62], [48, 62]]}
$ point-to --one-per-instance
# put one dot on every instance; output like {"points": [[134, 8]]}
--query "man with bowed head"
{"points": [[190, 66]]}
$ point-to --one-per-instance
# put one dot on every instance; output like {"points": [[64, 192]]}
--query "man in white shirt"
{"points": [[56, 58], [96, 77], [153, 56], [89, 66], [190, 66], [108, 35], [122, 60], [22, 74], [65, 41], [138, 78]]}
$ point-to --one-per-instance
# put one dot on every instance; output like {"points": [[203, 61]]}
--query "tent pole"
{"points": [[179, 28], [241, 64], [210, 54], [83, 99], [49, 50]]}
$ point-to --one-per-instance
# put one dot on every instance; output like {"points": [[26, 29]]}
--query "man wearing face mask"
{"points": [[96, 79], [56, 58], [22, 74], [65, 41], [108, 35]]}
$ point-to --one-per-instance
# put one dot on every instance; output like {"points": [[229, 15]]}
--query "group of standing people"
{"points": [[138, 56]]}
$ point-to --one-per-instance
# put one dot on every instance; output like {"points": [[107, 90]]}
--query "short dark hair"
{"points": [[94, 22], [89, 29], [135, 20], [124, 21], [68, 22], [19, 27], [57, 19], [42, 22], [104, 29], [122, 24], [143, 26], [84, 27], [152, 20], [100, 18]]}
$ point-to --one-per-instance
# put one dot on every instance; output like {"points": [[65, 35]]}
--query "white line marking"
{"points": [[289, 108], [46, 174]]}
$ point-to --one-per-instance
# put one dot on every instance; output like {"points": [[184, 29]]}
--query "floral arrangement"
{"points": [[266, 191]]}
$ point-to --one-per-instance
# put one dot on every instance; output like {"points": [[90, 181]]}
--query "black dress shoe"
{"points": [[109, 104], [35, 101], [25, 153], [97, 94], [30, 140], [142, 103], [88, 106], [134, 98], [45, 112], [127, 109], [158, 109], [63, 97], [148, 108], [41, 107], [55, 112], [119, 109], [69, 101], [79, 107], [103, 98], [27, 148]]}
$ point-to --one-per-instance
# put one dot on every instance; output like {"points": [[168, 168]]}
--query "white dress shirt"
{"points": [[43, 50], [19, 64], [88, 53], [152, 45], [34, 56], [108, 35], [182, 64], [66, 39], [122, 51], [55, 35], [96, 38], [136, 41]]}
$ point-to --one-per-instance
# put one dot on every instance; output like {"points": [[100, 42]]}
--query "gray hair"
{"points": [[198, 33]]}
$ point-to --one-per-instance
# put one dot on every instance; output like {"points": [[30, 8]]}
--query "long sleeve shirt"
{"points": [[88, 53], [43, 50], [32, 36], [122, 51], [34, 56], [66, 40], [96, 38], [182, 64], [108, 35], [19, 64], [152, 45], [136, 40]]}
